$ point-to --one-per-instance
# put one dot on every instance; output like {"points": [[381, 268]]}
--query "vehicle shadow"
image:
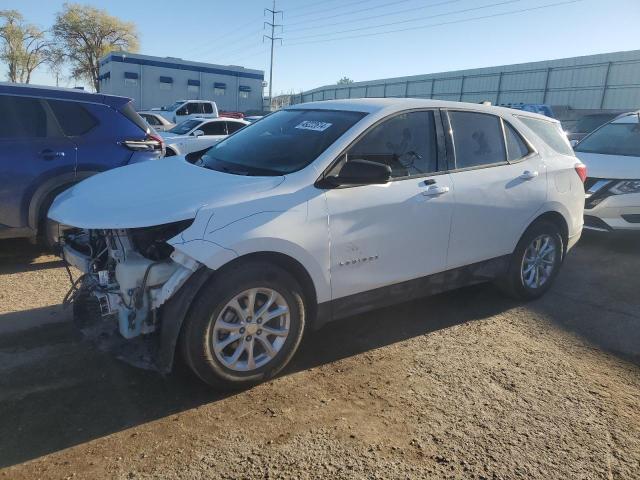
{"points": [[57, 392]]}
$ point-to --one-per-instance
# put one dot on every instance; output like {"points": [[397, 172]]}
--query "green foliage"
{"points": [[344, 81], [85, 34], [23, 47]]}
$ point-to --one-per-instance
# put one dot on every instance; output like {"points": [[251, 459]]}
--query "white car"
{"points": [[612, 156], [184, 109], [315, 213], [157, 121], [199, 134]]}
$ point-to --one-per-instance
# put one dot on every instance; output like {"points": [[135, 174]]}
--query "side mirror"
{"points": [[360, 172], [573, 143], [198, 133]]}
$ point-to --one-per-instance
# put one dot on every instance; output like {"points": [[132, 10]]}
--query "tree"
{"points": [[344, 81], [86, 34], [23, 47]]}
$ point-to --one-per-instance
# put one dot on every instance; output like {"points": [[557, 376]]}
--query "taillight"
{"points": [[581, 170], [152, 142]]}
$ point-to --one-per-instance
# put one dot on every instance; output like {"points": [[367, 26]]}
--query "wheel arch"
{"points": [[177, 308], [47, 190], [558, 219]]}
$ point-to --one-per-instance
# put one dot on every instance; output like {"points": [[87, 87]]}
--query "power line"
{"points": [[291, 9], [385, 5], [398, 12], [550, 5], [347, 4], [465, 10]]}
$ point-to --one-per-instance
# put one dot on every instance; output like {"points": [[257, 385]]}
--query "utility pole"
{"points": [[273, 38]]}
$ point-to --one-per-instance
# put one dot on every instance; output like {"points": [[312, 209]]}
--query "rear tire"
{"points": [[245, 326], [535, 262]]}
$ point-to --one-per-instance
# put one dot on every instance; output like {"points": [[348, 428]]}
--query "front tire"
{"points": [[535, 262], [245, 326]]}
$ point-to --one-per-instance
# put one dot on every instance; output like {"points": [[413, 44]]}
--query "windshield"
{"points": [[185, 127], [173, 106], [591, 122], [620, 137], [281, 143]]}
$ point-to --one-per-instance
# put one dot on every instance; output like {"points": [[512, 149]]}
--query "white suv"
{"points": [[317, 212]]}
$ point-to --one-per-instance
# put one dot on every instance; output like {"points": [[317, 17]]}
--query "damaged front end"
{"points": [[127, 276]]}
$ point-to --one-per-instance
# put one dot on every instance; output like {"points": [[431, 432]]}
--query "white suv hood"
{"points": [[151, 193], [610, 166]]}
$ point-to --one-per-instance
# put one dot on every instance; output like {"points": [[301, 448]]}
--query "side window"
{"points": [[151, 119], [516, 147], [73, 118], [183, 110], [551, 133], [214, 128], [406, 142], [207, 108], [23, 118], [234, 127], [477, 139]]}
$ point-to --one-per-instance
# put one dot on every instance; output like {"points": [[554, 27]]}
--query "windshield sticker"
{"points": [[313, 125]]}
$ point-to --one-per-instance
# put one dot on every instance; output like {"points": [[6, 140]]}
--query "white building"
{"points": [[157, 81]]}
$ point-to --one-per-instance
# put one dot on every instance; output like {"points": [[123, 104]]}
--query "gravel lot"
{"points": [[466, 384]]}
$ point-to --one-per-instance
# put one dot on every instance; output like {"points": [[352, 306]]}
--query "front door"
{"points": [[32, 151], [383, 235]]}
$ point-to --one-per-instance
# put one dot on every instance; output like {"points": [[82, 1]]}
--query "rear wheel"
{"points": [[535, 262], [245, 326]]}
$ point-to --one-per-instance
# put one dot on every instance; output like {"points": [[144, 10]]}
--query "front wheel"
{"points": [[245, 326], [535, 262]]}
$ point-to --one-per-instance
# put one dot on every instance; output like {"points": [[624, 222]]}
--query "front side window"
{"points": [[207, 108], [184, 127], [280, 143], [406, 142], [214, 128], [477, 139], [23, 117], [620, 137], [551, 133], [72, 117]]}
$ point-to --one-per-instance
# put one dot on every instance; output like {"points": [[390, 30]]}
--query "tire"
{"points": [[520, 280], [214, 309], [49, 231]]}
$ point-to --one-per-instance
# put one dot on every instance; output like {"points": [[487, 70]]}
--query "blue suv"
{"points": [[51, 138]]}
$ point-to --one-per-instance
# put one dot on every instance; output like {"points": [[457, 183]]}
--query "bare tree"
{"points": [[86, 34], [23, 47]]}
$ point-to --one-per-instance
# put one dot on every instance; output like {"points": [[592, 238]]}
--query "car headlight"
{"points": [[626, 186]]}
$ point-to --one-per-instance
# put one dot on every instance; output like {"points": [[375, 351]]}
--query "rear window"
{"points": [[477, 139], [73, 118], [620, 137], [551, 133], [129, 112]]}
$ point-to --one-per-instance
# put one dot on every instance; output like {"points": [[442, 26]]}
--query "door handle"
{"points": [[435, 190], [529, 174], [49, 154]]}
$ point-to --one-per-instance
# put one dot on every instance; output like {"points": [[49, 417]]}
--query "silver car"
{"points": [[157, 121]]}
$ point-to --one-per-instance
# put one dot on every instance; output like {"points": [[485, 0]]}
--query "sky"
{"points": [[322, 41]]}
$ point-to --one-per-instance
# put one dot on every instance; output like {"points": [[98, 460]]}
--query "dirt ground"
{"points": [[466, 384]]}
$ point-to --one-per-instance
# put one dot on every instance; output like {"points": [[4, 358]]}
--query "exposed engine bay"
{"points": [[127, 275]]}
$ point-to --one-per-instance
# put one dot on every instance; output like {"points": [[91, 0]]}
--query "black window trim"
{"points": [[441, 149], [451, 146], [528, 144]]}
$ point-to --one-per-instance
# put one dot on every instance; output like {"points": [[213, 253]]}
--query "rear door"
{"points": [[33, 150], [499, 182]]}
